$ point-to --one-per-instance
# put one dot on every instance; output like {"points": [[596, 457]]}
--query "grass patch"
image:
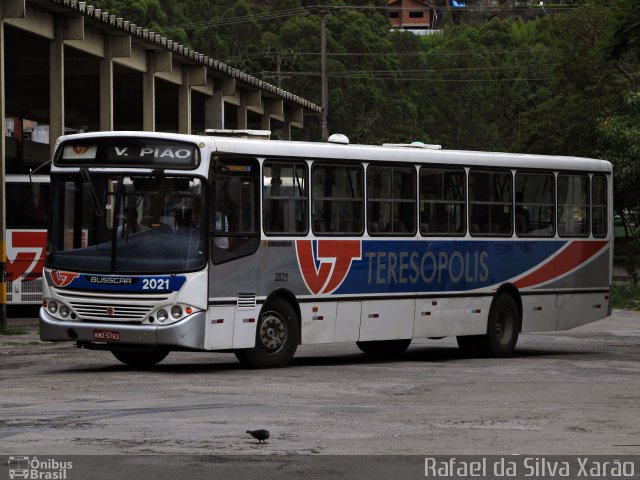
{"points": [[626, 295], [11, 331]]}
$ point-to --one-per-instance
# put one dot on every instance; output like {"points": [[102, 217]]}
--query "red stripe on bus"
{"points": [[571, 257]]}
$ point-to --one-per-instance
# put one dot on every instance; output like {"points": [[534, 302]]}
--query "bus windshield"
{"points": [[117, 223]]}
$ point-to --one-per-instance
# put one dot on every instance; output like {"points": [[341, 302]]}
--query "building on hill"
{"points": [[417, 16]]}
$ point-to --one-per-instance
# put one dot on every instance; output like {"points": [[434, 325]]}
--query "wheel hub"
{"points": [[273, 333]]}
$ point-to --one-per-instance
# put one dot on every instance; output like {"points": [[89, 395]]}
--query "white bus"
{"points": [[163, 242], [26, 214]]}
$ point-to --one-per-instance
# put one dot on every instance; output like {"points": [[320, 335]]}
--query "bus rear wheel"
{"points": [[140, 358], [384, 348], [277, 336], [503, 329]]}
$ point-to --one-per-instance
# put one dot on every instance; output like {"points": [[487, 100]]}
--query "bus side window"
{"points": [[337, 199], [573, 205], [285, 198], [490, 203], [442, 201], [391, 200], [535, 204], [599, 205]]}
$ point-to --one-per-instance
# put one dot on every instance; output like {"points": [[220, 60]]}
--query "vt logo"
{"points": [[62, 279], [325, 269]]}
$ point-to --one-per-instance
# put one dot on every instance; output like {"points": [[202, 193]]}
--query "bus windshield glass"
{"points": [[116, 223]]}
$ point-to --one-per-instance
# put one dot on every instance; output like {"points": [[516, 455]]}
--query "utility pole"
{"points": [[323, 74]]}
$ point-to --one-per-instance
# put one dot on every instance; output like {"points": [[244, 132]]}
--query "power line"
{"points": [[401, 78]]}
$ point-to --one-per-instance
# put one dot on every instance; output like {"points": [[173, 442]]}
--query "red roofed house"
{"points": [[411, 14]]}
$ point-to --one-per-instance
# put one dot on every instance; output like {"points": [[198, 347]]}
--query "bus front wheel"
{"points": [[277, 336], [140, 358], [384, 348], [502, 330]]}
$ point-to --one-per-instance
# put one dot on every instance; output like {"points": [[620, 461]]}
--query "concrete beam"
{"points": [[120, 46], [228, 87], [13, 9], [33, 21], [254, 101], [276, 109], [163, 61], [73, 28], [174, 76], [235, 99], [137, 61], [92, 43], [197, 75], [205, 89], [295, 115]]}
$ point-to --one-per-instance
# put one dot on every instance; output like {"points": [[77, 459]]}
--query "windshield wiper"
{"points": [[92, 192]]}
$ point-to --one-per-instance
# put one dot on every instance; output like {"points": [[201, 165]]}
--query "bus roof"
{"points": [[363, 153]]}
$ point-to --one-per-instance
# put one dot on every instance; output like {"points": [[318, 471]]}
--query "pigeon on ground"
{"points": [[260, 435]]}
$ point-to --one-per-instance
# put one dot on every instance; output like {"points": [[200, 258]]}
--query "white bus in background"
{"points": [[26, 214], [163, 242]]}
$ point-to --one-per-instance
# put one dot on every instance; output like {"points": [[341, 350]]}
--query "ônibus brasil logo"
{"points": [[325, 267], [62, 279]]}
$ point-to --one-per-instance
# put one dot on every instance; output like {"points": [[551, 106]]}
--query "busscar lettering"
{"points": [[111, 280], [385, 268]]}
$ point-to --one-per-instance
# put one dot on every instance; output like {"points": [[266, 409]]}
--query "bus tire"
{"points": [[384, 348], [503, 328], [140, 358], [277, 336]]}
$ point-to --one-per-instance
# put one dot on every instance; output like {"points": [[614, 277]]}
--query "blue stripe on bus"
{"points": [[398, 266], [128, 283]]}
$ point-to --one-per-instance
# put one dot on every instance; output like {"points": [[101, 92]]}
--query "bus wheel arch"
{"points": [[277, 335], [504, 324]]}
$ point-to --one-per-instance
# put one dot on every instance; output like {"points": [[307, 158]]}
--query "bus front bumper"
{"points": [[187, 333]]}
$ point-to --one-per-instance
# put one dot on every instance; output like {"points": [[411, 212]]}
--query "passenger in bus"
{"points": [[222, 225], [131, 224], [523, 222], [184, 218]]}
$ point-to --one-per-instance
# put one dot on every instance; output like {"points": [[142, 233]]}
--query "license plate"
{"points": [[106, 335]]}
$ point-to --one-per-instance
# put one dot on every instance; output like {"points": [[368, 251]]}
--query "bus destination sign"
{"points": [[132, 152]]}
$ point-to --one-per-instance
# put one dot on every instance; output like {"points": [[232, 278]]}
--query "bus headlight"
{"points": [[162, 315], [176, 312], [64, 311], [52, 307]]}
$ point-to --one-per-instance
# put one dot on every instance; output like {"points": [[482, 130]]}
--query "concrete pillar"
{"points": [[265, 120], [214, 111], [106, 87], [184, 102], [56, 83], [242, 112], [8, 9], [3, 227], [149, 95], [286, 130]]}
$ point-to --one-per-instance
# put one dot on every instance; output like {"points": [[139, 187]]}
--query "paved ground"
{"points": [[570, 392], [573, 392]]}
